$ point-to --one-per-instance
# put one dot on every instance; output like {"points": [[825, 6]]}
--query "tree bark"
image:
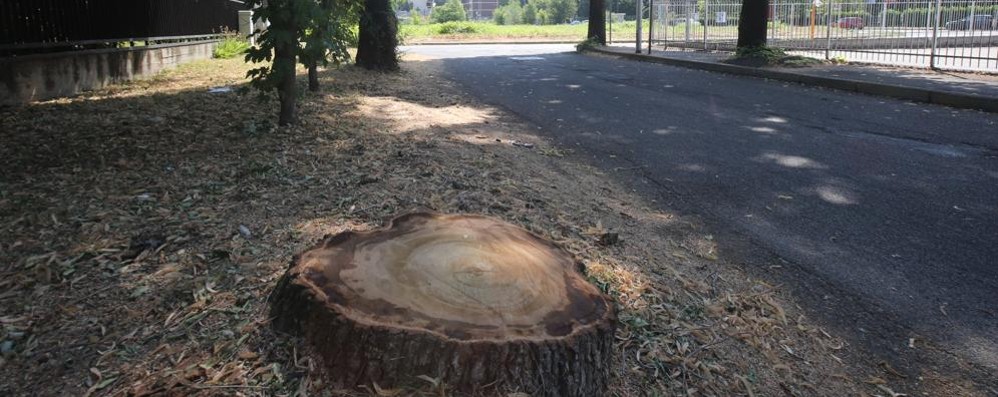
{"points": [[285, 60], [378, 37], [597, 21], [287, 88], [752, 23], [482, 305], [313, 78]]}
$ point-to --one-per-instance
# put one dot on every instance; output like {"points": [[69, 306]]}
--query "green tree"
{"points": [[557, 11], [328, 36], [279, 44], [452, 10], [530, 14], [562, 11], [313, 32], [401, 5], [499, 17], [509, 14]]}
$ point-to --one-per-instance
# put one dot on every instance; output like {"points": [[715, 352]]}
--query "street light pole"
{"points": [[651, 24], [637, 37], [609, 40]]}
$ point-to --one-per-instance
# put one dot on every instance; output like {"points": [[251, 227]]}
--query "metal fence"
{"points": [[49, 25], [945, 34]]}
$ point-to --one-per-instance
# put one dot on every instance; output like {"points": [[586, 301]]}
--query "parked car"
{"points": [[850, 23], [982, 22]]}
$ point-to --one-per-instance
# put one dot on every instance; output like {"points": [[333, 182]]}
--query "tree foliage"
{"points": [[328, 35], [509, 14], [558, 11], [279, 44], [530, 14], [309, 31], [452, 10], [536, 12]]}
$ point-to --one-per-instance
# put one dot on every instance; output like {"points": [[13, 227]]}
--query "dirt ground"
{"points": [[144, 226]]}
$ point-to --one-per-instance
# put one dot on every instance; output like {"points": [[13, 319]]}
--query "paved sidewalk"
{"points": [[964, 90]]}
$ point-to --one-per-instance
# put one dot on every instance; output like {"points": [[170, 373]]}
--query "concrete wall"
{"points": [[44, 76]]}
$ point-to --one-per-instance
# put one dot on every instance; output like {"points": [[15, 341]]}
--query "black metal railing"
{"points": [[28, 26]]}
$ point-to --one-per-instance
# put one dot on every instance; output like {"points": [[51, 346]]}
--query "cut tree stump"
{"points": [[484, 306]]}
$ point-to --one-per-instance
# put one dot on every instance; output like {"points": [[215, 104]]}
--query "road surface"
{"points": [[885, 211]]}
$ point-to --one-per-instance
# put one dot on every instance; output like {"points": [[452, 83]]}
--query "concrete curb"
{"points": [[952, 99]]}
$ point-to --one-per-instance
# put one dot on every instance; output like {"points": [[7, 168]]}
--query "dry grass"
{"points": [[143, 227]]}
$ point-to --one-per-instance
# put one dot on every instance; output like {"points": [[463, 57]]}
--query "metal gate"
{"points": [[945, 34]]}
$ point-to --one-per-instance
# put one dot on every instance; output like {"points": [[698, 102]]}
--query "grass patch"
{"points": [[490, 31], [230, 47], [485, 31], [770, 56], [586, 44], [456, 28]]}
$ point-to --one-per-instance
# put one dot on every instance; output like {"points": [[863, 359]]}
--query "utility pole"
{"points": [[609, 40], [651, 24], [637, 37]]}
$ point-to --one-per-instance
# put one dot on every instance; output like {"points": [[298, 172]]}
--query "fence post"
{"points": [[828, 30], [935, 34], [651, 23]]}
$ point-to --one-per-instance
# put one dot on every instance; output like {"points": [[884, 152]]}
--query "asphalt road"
{"points": [[882, 206]]}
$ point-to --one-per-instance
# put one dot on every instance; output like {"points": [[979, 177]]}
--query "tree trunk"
{"points": [[482, 305], [378, 36], [285, 60], [597, 21], [313, 78], [752, 23], [287, 89]]}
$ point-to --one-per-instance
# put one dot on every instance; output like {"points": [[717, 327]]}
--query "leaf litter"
{"points": [[145, 225]]}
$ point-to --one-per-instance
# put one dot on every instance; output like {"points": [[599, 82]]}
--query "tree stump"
{"points": [[484, 306]]}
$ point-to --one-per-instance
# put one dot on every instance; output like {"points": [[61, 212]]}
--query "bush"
{"points": [[452, 10], [509, 14], [231, 46], [586, 44], [530, 14], [557, 11], [417, 19], [456, 28], [769, 56]]}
